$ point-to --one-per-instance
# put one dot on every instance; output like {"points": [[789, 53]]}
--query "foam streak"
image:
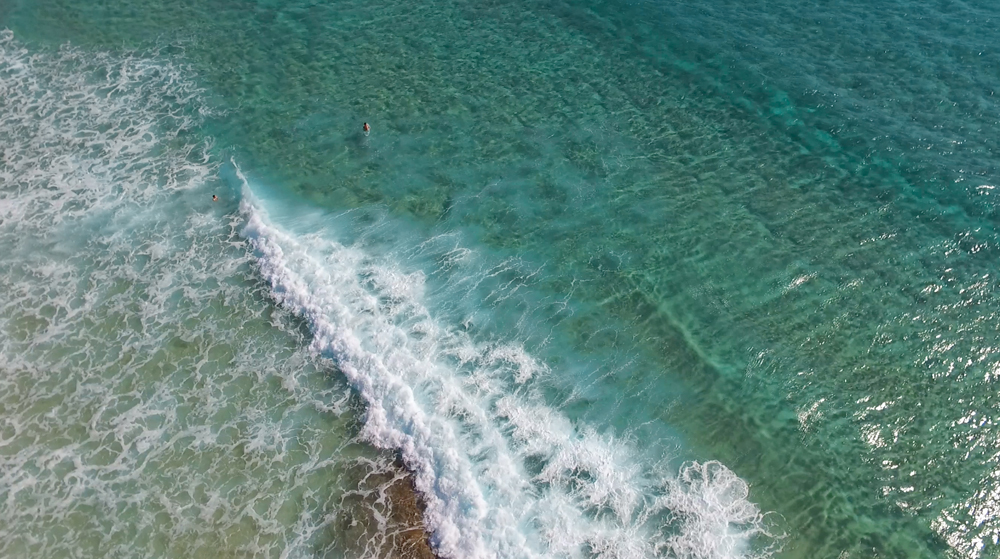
{"points": [[467, 422]]}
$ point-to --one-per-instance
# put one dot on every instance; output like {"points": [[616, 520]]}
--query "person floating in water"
{"points": [[366, 128], [215, 198]]}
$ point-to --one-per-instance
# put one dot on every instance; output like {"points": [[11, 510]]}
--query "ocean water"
{"points": [[607, 279]]}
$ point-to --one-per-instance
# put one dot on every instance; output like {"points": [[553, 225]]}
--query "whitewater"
{"points": [[131, 299], [603, 279], [471, 426]]}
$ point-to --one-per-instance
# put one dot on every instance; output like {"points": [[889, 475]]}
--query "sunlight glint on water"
{"points": [[760, 234]]}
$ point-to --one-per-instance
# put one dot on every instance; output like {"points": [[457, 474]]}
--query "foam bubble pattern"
{"points": [[503, 472], [153, 402]]}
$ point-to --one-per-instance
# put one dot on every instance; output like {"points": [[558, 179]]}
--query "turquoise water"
{"points": [[613, 279]]}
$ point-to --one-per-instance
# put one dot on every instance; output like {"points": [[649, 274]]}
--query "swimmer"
{"points": [[215, 198], [366, 128]]}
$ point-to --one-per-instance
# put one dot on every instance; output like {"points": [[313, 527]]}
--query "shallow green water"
{"points": [[755, 233]]}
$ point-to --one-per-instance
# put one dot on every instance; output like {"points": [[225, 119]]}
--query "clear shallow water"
{"points": [[153, 401], [587, 243]]}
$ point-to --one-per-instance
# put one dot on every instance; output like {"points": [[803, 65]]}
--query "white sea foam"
{"points": [[141, 365], [130, 316], [503, 473]]}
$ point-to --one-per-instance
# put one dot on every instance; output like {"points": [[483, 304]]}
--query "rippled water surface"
{"points": [[617, 279]]}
